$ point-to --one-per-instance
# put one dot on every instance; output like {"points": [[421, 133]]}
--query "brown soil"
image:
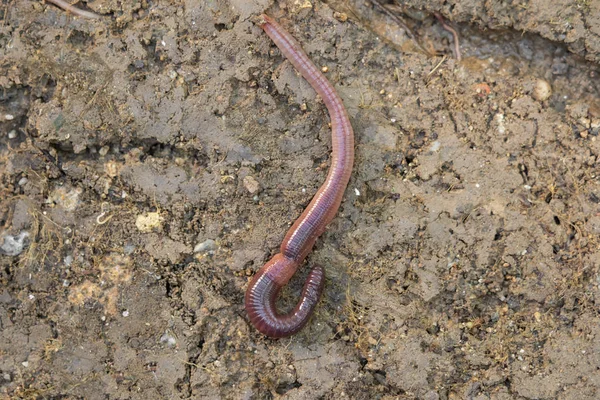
{"points": [[152, 160]]}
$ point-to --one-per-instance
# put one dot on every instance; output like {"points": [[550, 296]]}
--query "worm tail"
{"points": [[260, 304]]}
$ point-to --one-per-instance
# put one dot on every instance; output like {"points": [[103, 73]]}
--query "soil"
{"points": [[151, 161]]}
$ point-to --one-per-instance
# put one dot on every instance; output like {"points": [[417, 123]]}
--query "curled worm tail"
{"points": [[262, 295]]}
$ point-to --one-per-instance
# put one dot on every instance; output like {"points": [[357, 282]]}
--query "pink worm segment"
{"points": [[300, 239]]}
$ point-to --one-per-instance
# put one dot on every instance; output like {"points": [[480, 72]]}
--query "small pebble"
{"points": [[542, 90], [23, 181], [251, 184], [13, 245], [431, 395], [12, 134], [79, 148], [9, 117], [168, 339], [340, 16], [104, 151], [66, 197], [128, 248], [583, 134], [206, 246], [435, 146], [148, 222]]}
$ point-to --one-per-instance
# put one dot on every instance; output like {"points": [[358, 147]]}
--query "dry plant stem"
{"points": [[298, 242], [454, 35], [402, 24], [73, 10]]}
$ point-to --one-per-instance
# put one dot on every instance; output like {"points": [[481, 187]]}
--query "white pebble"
{"points": [[209, 245], [13, 245], [542, 90]]}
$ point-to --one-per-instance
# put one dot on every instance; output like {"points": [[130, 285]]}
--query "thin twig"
{"points": [[453, 32], [402, 24], [5, 14], [437, 66], [73, 10]]}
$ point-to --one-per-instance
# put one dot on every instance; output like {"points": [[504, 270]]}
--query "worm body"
{"points": [[300, 239]]}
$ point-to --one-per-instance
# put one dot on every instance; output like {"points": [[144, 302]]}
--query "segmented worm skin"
{"points": [[300, 239]]}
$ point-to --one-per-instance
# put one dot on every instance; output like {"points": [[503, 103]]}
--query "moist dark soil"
{"points": [[151, 161]]}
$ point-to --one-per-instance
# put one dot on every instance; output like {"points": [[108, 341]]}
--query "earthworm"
{"points": [[73, 10], [298, 242], [453, 32]]}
